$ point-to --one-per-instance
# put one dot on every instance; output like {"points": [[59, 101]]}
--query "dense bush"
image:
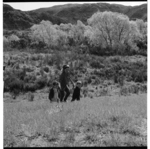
{"points": [[30, 78], [13, 85], [6, 44], [30, 87], [46, 69], [41, 82], [96, 64], [30, 96], [139, 76]]}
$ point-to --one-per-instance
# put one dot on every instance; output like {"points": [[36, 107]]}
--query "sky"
{"points": [[26, 6]]}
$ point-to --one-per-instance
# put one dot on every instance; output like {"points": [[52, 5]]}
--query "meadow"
{"points": [[108, 55], [108, 114], [97, 121]]}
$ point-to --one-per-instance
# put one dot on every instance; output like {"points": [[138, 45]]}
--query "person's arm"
{"points": [[71, 81]]}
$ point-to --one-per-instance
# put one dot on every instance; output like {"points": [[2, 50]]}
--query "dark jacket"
{"points": [[64, 80], [76, 93], [51, 94]]}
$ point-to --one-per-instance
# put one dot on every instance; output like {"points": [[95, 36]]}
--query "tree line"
{"points": [[106, 33]]}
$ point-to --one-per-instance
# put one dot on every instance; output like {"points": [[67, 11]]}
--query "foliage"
{"points": [[13, 84], [6, 44], [46, 69], [105, 33], [29, 87], [96, 64], [45, 32], [13, 38], [41, 82], [112, 32]]}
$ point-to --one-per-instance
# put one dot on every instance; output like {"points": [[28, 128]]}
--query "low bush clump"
{"points": [[13, 85], [30, 87], [139, 76], [96, 64], [30, 96], [41, 82], [46, 69]]}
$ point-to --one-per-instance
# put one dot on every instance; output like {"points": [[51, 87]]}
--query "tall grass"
{"points": [[103, 121]]}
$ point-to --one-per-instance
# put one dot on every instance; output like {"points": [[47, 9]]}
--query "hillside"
{"points": [[70, 13]]}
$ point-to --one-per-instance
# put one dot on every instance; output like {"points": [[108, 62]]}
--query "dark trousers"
{"points": [[76, 94], [65, 92]]}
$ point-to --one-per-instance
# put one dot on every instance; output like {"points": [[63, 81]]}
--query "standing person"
{"points": [[76, 92], [64, 82], [54, 93]]}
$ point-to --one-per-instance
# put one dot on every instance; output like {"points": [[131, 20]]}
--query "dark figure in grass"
{"points": [[64, 82], [76, 92], [54, 94]]}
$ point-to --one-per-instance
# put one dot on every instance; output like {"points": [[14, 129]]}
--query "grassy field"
{"points": [[107, 115], [97, 121]]}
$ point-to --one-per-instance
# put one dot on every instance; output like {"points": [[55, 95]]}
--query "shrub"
{"points": [[42, 71], [13, 38], [96, 64], [38, 74], [96, 81], [115, 78], [99, 73], [35, 57], [29, 69], [124, 91], [30, 78], [14, 85], [89, 80], [57, 59], [46, 69], [30, 87], [20, 74], [139, 76], [6, 44], [143, 88], [115, 59], [134, 89], [41, 82], [30, 96], [48, 60], [108, 72]]}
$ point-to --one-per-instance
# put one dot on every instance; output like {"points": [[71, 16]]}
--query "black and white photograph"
{"points": [[75, 74]]}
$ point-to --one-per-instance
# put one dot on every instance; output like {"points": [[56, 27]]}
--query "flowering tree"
{"points": [[51, 35], [111, 30], [77, 32], [142, 40], [13, 38], [5, 43], [44, 32]]}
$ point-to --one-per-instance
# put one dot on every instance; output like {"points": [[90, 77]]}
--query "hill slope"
{"points": [[69, 13]]}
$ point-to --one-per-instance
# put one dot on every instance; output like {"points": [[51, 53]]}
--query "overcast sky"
{"points": [[35, 5]]}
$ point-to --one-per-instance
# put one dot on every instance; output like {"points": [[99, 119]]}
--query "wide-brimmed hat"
{"points": [[79, 82], [65, 66], [55, 83]]}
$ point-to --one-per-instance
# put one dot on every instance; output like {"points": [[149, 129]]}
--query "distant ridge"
{"points": [[14, 19]]}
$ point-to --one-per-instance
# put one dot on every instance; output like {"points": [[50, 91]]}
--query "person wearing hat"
{"points": [[64, 82], [76, 92]]}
